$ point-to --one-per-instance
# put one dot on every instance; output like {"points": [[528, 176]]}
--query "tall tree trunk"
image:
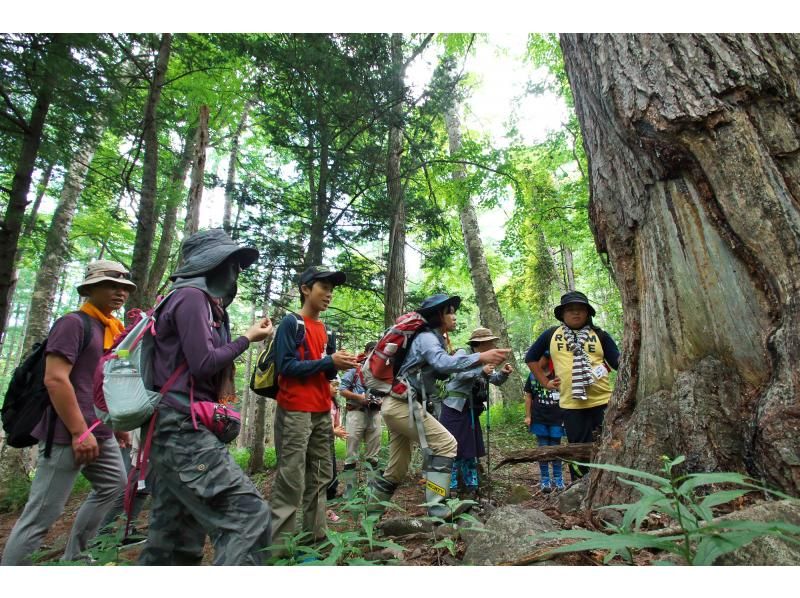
{"points": [[569, 270], [175, 195], [41, 189], [198, 170], [247, 395], [56, 249], [230, 182], [316, 242], [10, 227], [145, 223], [491, 317], [692, 143], [394, 291]]}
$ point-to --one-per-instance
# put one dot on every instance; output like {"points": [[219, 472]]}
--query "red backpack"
{"points": [[384, 361]]}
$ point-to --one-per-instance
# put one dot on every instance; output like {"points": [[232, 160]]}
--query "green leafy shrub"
{"points": [[687, 500]]}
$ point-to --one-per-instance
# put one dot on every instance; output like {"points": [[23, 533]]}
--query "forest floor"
{"points": [[516, 483]]}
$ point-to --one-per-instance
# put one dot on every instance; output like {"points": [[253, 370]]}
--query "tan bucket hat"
{"points": [[101, 270], [480, 335]]}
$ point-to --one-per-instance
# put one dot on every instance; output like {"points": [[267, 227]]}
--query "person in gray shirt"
{"points": [[406, 417]]}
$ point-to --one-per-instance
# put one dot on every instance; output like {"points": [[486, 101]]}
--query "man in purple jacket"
{"points": [[201, 490]]}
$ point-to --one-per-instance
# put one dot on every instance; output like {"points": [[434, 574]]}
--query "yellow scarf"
{"points": [[113, 326]]}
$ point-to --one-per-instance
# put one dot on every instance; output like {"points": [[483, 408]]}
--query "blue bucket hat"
{"points": [[207, 249], [437, 302]]}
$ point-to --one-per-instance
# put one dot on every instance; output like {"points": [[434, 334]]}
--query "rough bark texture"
{"points": [[11, 224], [321, 203], [230, 182], [491, 317], [145, 224], [394, 292], [198, 170], [56, 250], [569, 269], [693, 146]]}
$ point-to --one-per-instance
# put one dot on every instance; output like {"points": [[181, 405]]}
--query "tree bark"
{"points": [[41, 189], [56, 250], [576, 451], [175, 195], [394, 291], [491, 317], [692, 143], [198, 170], [10, 227], [230, 182], [145, 224], [569, 270], [321, 212]]}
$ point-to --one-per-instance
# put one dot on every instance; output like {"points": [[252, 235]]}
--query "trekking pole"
{"points": [[488, 446]]}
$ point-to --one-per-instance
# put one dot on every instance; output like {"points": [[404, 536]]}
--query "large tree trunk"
{"points": [[145, 223], [491, 317], [11, 225], [198, 170], [56, 250], [394, 291], [233, 162], [693, 145], [569, 269]]}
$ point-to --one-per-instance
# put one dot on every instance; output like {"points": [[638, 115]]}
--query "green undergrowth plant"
{"points": [[347, 547], [688, 500]]}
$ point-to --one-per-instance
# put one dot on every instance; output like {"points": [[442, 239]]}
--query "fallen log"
{"points": [[574, 452]]}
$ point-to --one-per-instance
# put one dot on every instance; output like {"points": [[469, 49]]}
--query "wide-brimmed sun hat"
{"points": [[207, 249], [438, 302], [481, 335], [572, 297], [101, 270]]}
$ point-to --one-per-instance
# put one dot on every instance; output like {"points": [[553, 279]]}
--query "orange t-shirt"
{"points": [[312, 393]]}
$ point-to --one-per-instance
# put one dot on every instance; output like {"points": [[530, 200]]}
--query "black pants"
{"points": [[581, 425], [330, 493]]}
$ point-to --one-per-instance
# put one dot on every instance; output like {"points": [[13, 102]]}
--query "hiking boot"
{"points": [[545, 486], [558, 484]]}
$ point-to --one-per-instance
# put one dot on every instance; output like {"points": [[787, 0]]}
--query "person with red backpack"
{"points": [[363, 421], [405, 414], [201, 491], [78, 444]]}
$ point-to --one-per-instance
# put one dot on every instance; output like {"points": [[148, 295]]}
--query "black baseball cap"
{"points": [[322, 273]]}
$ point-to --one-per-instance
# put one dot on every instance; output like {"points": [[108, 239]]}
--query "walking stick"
{"points": [[488, 449]]}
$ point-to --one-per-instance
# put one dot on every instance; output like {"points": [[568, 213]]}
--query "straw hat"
{"points": [[101, 270]]}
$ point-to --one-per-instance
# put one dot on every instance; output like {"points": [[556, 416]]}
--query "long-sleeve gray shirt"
{"points": [[462, 383], [428, 352]]}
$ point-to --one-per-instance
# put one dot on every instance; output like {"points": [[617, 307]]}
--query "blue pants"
{"points": [[547, 435], [469, 473]]}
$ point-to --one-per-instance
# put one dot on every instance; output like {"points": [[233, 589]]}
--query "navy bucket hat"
{"points": [[572, 297], [207, 249], [437, 302]]}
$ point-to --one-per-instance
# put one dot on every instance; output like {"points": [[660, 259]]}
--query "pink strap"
{"points": [[191, 401], [85, 435]]}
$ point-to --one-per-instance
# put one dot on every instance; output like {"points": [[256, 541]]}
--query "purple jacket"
{"points": [[186, 331]]}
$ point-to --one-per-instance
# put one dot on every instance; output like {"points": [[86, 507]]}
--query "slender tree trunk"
{"points": [[10, 346], [41, 189], [247, 395], [230, 182], [145, 225], [11, 226], [62, 282], [198, 170], [692, 143], [56, 250], [569, 270], [175, 195], [316, 242], [491, 317], [394, 291]]}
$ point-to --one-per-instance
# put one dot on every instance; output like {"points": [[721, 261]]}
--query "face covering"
{"points": [[221, 281]]}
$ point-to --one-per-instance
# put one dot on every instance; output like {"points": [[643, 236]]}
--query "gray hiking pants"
{"points": [[50, 490], [201, 491]]}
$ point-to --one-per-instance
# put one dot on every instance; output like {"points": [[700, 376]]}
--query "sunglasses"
{"points": [[115, 274]]}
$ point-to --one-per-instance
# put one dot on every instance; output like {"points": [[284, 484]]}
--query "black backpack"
{"points": [[26, 399]]}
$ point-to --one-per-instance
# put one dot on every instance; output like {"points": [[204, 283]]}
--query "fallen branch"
{"points": [[573, 452]]}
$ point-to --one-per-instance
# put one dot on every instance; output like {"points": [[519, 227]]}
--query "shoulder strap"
{"points": [[87, 329]]}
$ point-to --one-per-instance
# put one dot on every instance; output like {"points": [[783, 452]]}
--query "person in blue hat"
{"points": [[582, 356], [408, 421]]}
